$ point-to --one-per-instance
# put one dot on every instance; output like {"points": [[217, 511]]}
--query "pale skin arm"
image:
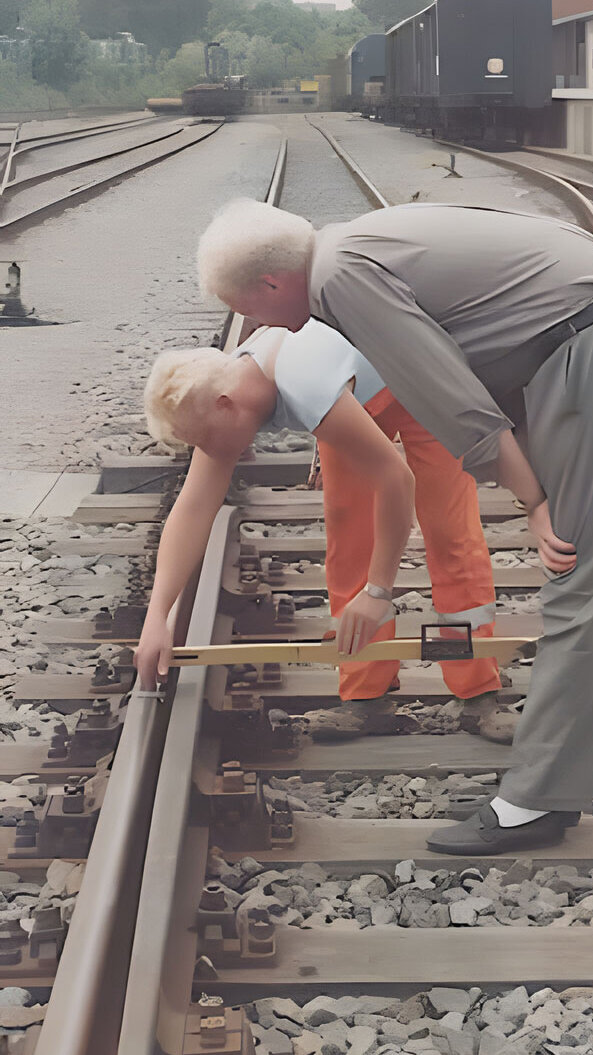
{"points": [[182, 547], [515, 472], [361, 442]]}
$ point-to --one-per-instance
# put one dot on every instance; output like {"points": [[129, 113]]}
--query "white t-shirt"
{"points": [[312, 369]]}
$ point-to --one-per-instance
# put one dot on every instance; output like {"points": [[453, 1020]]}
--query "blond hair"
{"points": [[248, 239], [174, 375]]}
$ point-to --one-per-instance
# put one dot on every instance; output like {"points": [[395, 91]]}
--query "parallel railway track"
{"points": [[33, 185], [189, 771]]}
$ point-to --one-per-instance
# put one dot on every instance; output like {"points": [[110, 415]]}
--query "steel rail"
{"points": [[85, 1009], [45, 177], [161, 966], [50, 139], [376, 199], [92, 189], [579, 202], [155, 1002], [9, 160]]}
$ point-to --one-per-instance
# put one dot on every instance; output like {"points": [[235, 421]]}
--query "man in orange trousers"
{"points": [[456, 554]]}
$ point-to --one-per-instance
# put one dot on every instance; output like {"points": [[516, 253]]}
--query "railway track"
{"points": [[199, 790], [38, 178]]}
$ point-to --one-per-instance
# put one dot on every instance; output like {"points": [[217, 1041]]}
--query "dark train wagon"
{"points": [[207, 100], [473, 69], [366, 60]]}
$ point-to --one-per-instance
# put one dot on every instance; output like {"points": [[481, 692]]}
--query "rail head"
{"points": [[9, 160], [154, 999]]}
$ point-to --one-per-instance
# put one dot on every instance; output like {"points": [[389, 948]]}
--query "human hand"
{"points": [[153, 656], [558, 556], [359, 621]]}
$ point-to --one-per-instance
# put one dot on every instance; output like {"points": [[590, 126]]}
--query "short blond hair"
{"points": [[173, 376], [248, 239]]}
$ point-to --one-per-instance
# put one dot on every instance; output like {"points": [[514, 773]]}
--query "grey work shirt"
{"points": [[455, 307]]}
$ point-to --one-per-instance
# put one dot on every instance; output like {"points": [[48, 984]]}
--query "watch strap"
{"points": [[379, 592]]}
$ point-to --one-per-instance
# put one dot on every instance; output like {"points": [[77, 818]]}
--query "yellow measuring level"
{"points": [[504, 649]]}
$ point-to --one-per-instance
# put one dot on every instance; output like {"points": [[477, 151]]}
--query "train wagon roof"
{"points": [[411, 18]]}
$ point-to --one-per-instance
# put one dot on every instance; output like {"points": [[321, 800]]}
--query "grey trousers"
{"points": [[553, 748]]}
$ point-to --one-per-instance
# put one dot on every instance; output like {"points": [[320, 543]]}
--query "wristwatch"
{"points": [[378, 591]]}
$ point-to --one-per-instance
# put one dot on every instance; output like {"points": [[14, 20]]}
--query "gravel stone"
{"points": [[320, 1010], [444, 1000], [13, 996]]}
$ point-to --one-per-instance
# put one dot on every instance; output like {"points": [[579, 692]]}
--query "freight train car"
{"points": [[351, 73], [473, 70], [206, 100]]}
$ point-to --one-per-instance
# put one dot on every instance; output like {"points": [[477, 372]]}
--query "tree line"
{"points": [[268, 40]]}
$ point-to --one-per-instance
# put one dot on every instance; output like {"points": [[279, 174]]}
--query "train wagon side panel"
{"points": [[499, 53]]}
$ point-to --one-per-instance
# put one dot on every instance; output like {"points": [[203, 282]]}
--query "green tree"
{"points": [[9, 17], [59, 49], [226, 16], [265, 63], [155, 23], [237, 45], [185, 69]]}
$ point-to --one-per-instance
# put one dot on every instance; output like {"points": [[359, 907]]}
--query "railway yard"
{"points": [[224, 867]]}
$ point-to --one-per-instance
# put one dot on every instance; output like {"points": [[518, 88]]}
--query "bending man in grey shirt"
{"points": [[478, 322]]}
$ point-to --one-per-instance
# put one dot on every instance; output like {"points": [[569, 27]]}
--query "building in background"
{"points": [[122, 47], [573, 71]]}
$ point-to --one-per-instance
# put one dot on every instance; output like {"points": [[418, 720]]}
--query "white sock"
{"points": [[510, 816]]}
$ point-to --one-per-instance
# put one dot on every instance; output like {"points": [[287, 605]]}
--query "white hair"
{"points": [[173, 376], [248, 239]]}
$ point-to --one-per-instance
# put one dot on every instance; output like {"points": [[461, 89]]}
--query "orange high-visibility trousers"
{"points": [[456, 551]]}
